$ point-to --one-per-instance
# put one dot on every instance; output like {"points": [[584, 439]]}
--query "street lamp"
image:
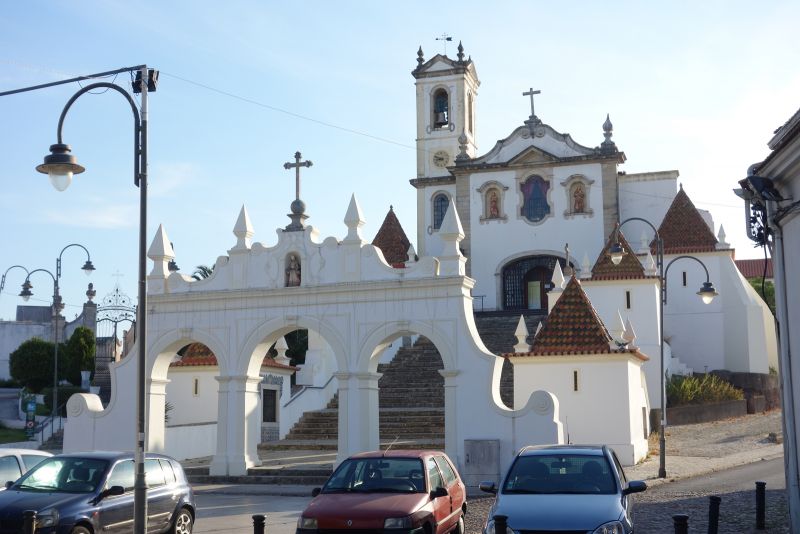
{"points": [[60, 165], [58, 305], [707, 292]]}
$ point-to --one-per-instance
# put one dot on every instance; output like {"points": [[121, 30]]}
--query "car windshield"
{"points": [[64, 474], [560, 473], [377, 475]]}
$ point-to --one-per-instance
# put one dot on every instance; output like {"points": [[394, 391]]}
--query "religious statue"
{"points": [[578, 200], [293, 272], [494, 210]]}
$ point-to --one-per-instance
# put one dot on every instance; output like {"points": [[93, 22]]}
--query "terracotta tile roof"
{"points": [[197, 355], [573, 327], [629, 267], [392, 240], [683, 229], [754, 268]]}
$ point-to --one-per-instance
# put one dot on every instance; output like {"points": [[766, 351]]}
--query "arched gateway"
{"points": [[345, 292]]}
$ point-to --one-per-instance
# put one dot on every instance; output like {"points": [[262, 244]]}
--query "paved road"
{"points": [[737, 479], [233, 513]]}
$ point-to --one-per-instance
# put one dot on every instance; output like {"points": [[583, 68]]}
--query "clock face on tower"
{"points": [[441, 158]]}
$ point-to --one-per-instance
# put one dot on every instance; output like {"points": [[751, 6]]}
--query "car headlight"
{"points": [[490, 528], [612, 527], [397, 522], [47, 518], [307, 522]]}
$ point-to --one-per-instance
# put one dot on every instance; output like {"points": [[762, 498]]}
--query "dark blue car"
{"points": [[86, 493]]}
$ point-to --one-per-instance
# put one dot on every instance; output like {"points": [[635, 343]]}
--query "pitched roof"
{"points": [[629, 267], [754, 268], [198, 355], [683, 229], [392, 240]]}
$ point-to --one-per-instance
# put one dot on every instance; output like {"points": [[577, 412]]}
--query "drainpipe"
{"points": [[787, 375]]}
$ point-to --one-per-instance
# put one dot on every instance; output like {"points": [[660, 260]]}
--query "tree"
{"points": [[767, 292], [79, 355], [32, 363], [202, 271]]}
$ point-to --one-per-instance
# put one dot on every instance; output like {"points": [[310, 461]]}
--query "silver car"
{"points": [[563, 488], [16, 462]]}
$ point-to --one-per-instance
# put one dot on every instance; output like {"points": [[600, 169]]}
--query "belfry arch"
{"points": [[354, 300]]}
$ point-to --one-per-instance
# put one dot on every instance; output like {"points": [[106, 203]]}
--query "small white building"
{"points": [[598, 380]]}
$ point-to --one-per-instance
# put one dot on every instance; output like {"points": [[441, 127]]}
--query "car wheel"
{"points": [[183, 522], [80, 530], [459, 528]]}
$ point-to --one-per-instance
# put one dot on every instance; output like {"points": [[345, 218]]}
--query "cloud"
{"points": [[107, 217]]}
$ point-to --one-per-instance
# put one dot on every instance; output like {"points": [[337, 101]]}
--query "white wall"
{"points": [[648, 196], [192, 441], [606, 408], [188, 408], [13, 334]]}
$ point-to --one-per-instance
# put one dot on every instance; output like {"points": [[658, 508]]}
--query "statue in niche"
{"points": [[293, 271], [494, 209], [578, 199]]}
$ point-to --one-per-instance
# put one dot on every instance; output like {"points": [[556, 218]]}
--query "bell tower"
{"points": [[446, 94]]}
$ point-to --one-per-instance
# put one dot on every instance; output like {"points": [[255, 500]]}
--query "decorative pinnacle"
{"points": [[420, 58], [460, 53], [462, 148], [608, 145]]}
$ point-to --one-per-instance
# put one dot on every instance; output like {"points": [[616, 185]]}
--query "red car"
{"points": [[398, 492]]}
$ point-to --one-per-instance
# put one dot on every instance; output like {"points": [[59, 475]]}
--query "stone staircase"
{"points": [[54, 443], [497, 333]]}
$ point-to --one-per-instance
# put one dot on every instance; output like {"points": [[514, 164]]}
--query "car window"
{"points": [[560, 474], [377, 475], [153, 474], [447, 471], [30, 460], [65, 474], [169, 472], [122, 475], [619, 468], [433, 474], [9, 469]]}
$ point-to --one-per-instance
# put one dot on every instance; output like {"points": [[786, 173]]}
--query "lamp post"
{"points": [[707, 293], [61, 166], [58, 305]]}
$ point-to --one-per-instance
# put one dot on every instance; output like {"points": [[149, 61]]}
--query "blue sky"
{"points": [[693, 86]]}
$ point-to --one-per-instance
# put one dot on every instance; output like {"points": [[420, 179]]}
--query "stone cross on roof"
{"points": [[530, 92], [296, 166]]}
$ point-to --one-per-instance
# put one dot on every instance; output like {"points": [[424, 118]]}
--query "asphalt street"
{"points": [[233, 513]]}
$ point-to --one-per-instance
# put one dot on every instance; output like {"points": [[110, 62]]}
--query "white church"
{"points": [[521, 237]]}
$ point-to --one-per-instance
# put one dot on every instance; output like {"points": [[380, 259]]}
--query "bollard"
{"points": [[681, 522], [500, 524], [761, 505], [259, 524], [29, 522], [713, 514]]}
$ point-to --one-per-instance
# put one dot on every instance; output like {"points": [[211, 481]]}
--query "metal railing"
{"points": [[49, 426]]}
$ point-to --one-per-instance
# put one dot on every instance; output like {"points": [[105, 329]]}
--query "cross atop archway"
{"points": [[296, 166]]}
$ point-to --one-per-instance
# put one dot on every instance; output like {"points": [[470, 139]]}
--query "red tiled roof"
{"points": [[573, 327], [197, 355], [392, 240], [629, 267], [683, 229], [754, 268]]}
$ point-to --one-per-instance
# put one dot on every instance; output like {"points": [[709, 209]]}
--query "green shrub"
{"points": [[32, 364], [700, 389], [9, 383]]}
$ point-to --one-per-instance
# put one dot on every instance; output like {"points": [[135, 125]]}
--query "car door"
{"points": [[10, 469], [454, 487], [441, 505], [116, 511], [160, 499]]}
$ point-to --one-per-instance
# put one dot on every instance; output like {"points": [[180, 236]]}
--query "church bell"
{"points": [[440, 119]]}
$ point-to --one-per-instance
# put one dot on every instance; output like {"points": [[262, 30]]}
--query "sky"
{"points": [[695, 86]]}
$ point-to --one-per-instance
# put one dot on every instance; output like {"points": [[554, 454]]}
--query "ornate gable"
{"points": [[533, 156], [683, 229]]}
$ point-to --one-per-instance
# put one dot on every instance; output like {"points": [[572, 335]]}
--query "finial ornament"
{"points": [[608, 146], [298, 207], [462, 156], [420, 58], [460, 53]]}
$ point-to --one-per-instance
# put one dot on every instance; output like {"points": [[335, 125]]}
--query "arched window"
{"points": [[440, 203], [441, 108], [534, 191]]}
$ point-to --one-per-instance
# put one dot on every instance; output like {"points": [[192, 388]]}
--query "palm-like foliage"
{"points": [[202, 271]]}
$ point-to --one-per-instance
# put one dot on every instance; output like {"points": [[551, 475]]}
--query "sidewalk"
{"points": [[692, 450]]}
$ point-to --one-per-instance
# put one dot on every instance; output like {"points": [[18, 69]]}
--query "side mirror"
{"points": [[9, 484], [635, 486], [315, 492], [487, 487], [113, 491], [439, 492]]}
